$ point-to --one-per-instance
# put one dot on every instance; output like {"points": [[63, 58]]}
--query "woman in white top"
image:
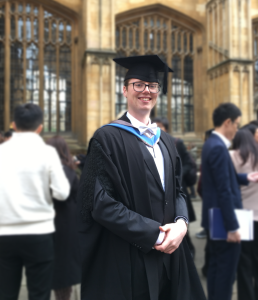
{"points": [[245, 159]]}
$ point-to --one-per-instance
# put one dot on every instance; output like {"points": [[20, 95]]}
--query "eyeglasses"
{"points": [[237, 124], [140, 87]]}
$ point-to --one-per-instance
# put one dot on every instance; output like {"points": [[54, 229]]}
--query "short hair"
{"points": [[8, 134], [28, 117], [126, 82], [225, 111], [161, 120]]}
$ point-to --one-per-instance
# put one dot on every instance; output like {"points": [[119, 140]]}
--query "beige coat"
{"points": [[249, 193]]}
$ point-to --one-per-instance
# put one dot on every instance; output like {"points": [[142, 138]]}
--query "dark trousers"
{"points": [[222, 269], [247, 273], [36, 254], [206, 255]]}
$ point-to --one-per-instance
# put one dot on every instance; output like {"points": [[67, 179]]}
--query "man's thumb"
{"points": [[164, 228]]}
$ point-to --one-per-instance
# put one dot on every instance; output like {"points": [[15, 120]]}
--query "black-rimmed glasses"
{"points": [[140, 87]]}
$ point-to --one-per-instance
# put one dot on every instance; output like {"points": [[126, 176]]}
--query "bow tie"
{"points": [[149, 130]]}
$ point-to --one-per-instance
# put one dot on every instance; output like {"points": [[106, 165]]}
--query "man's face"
{"points": [[232, 127], [140, 102]]}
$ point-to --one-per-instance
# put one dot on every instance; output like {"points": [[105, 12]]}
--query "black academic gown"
{"points": [[117, 221]]}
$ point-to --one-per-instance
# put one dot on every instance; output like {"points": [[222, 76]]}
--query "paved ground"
{"points": [[199, 257]]}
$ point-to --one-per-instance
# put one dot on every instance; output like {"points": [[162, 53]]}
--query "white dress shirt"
{"points": [[30, 175], [154, 151], [224, 139], [158, 159]]}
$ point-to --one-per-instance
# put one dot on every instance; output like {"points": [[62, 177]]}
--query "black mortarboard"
{"points": [[145, 68]]}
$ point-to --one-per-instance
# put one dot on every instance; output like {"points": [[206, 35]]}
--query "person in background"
{"points": [[204, 234], [1, 137], [192, 150], [254, 122], [80, 161], [163, 124], [220, 188], [244, 155], [253, 129], [27, 185], [66, 239], [7, 135]]}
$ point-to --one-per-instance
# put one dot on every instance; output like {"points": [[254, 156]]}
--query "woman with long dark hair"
{"points": [[245, 159], [253, 129], [66, 242]]}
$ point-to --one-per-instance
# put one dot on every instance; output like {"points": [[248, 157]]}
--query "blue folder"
{"points": [[216, 225]]}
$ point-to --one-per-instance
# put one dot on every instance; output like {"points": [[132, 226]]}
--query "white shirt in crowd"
{"points": [[30, 175], [224, 139]]}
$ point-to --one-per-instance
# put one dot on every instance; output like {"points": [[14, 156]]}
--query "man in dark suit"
{"points": [[220, 186]]}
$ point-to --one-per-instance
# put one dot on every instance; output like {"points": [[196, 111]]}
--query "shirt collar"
{"points": [[136, 123], [224, 139]]}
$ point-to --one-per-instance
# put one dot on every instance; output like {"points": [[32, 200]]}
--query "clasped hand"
{"points": [[174, 234]]}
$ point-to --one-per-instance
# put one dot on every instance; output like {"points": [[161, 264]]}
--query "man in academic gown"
{"points": [[132, 212]]}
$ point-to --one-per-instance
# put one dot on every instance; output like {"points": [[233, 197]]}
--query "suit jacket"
{"points": [[220, 183], [117, 221]]}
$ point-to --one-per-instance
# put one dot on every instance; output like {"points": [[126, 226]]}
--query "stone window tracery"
{"points": [[157, 34], [35, 55]]}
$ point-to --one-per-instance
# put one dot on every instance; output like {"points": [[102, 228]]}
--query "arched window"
{"points": [[155, 33], [35, 55]]}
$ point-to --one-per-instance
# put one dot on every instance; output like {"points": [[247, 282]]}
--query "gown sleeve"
{"points": [[181, 206], [102, 204]]}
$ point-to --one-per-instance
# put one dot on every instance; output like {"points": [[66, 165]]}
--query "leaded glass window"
{"points": [[38, 62], [188, 94], [174, 44], [162, 102], [176, 94], [121, 104]]}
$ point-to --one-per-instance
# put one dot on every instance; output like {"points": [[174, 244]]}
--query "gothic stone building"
{"points": [[58, 54]]}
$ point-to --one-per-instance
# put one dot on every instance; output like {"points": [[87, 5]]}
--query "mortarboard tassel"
{"points": [[165, 79]]}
